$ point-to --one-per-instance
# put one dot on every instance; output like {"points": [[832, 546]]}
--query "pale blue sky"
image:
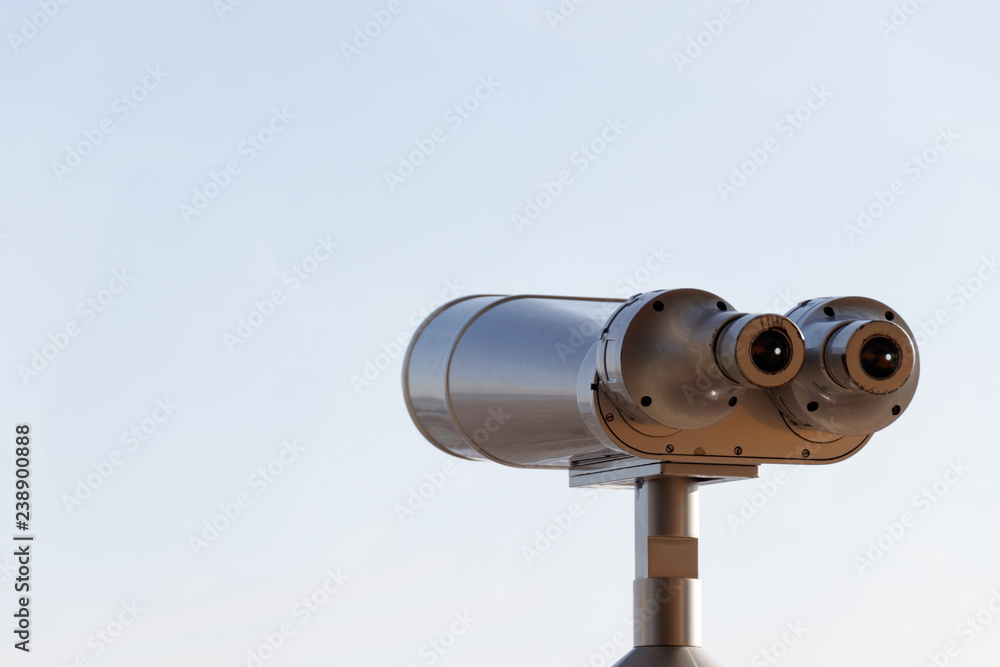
{"points": [[320, 179]]}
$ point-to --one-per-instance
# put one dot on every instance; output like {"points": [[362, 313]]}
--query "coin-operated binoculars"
{"points": [[660, 393]]}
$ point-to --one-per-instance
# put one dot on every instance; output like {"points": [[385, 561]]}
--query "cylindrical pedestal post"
{"points": [[667, 590]]}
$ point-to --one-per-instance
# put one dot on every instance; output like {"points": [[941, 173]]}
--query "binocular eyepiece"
{"points": [[861, 368], [674, 375]]}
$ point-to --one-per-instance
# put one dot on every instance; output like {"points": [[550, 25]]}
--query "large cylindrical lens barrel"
{"points": [[498, 378]]}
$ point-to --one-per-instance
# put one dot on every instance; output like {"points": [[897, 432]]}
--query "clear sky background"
{"points": [[168, 171]]}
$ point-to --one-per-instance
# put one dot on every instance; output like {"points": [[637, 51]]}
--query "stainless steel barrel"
{"points": [[490, 377]]}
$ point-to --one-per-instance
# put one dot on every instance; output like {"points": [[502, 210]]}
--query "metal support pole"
{"points": [[667, 599], [667, 591]]}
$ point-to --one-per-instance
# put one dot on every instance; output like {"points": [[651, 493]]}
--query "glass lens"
{"points": [[880, 357], [771, 351]]}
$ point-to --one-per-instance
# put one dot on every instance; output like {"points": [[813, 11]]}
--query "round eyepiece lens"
{"points": [[771, 351], [880, 357]]}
